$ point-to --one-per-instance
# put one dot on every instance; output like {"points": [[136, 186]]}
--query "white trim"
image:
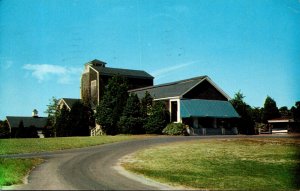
{"points": [[280, 120], [192, 87], [65, 103], [98, 92], [167, 98], [178, 109]]}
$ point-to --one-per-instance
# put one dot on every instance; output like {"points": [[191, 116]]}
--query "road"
{"points": [[92, 168]]}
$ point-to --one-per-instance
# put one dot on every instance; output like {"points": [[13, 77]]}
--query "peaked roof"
{"points": [[207, 108], [38, 122], [122, 72], [69, 101], [174, 89]]}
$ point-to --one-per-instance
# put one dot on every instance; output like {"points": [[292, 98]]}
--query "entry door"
{"points": [[174, 110]]}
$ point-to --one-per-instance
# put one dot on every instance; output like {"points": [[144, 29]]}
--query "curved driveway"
{"points": [[92, 168]]}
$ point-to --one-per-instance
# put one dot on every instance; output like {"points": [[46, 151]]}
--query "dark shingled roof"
{"points": [[122, 72], [70, 101], [173, 89], [38, 122]]}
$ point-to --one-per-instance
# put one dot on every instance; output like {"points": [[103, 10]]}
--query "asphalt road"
{"points": [[92, 168]]}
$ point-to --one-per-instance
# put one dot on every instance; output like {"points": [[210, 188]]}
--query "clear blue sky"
{"points": [[247, 45]]}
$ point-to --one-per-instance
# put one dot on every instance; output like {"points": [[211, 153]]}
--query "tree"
{"points": [[246, 123], [131, 119], [112, 104], [296, 111], [52, 111], [62, 124], [256, 114], [146, 104], [284, 111], [158, 118], [80, 115], [270, 110], [4, 129]]}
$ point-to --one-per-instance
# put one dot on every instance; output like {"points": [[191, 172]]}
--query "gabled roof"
{"points": [[175, 89], [207, 108], [38, 122], [69, 102], [122, 72]]}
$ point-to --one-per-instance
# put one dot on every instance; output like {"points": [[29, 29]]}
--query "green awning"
{"points": [[207, 108]]}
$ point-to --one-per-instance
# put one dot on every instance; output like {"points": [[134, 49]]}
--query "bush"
{"points": [[175, 129]]}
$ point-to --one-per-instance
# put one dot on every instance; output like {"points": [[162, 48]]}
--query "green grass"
{"points": [[12, 171], [226, 164], [16, 146]]}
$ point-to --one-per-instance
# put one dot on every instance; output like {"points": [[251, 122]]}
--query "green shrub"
{"points": [[175, 129]]}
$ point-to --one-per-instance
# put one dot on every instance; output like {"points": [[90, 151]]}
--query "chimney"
{"points": [[35, 113]]}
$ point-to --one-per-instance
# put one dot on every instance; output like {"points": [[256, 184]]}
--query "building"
{"points": [[67, 102], [96, 76], [34, 121], [198, 102]]}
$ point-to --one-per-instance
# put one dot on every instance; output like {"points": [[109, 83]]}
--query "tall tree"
{"points": [[4, 129], [62, 127], [80, 115], [52, 111], [284, 111], [270, 110], [246, 123], [146, 104], [158, 118], [112, 104], [296, 111], [131, 119]]}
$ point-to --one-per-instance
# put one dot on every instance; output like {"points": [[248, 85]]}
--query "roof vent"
{"points": [[35, 113]]}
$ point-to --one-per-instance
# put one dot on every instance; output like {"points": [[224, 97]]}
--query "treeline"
{"points": [[253, 118], [117, 113]]}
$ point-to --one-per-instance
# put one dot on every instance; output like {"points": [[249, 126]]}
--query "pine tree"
{"points": [[246, 122], [62, 125], [158, 118], [131, 119], [80, 119], [112, 105], [270, 110]]}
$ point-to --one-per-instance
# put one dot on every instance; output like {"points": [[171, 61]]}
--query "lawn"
{"points": [[223, 164], [13, 171], [15, 146]]}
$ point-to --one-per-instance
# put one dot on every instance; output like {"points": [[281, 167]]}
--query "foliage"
{"points": [[13, 171], [284, 111], [270, 110], [246, 123], [62, 125], [158, 118], [146, 104], [80, 115], [296, 111], [131, 119], [112, 104], [52, 111], [175, 129], [256, 114], [28, 132], [4, 129]]}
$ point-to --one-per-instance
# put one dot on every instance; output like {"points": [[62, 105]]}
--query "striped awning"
{"points": [[207, 108]]}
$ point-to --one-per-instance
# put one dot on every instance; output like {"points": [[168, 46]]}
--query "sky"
{"points": [[252, 46]]}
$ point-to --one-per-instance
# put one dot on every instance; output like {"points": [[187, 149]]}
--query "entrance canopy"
{"points": [[207, 108]]}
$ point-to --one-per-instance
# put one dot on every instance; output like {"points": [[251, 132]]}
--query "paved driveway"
{"points": [[93, 168]]}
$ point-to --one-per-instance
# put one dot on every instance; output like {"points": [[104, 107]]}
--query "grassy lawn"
{"points": [[12, 171], [14, 146], [223, 164]]}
